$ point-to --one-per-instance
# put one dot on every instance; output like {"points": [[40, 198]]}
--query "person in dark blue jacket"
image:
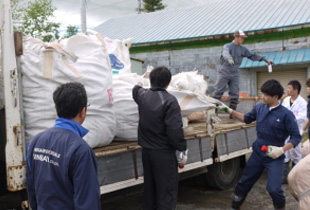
{"points": [[61, 167], [160, 134], [274, 123]]}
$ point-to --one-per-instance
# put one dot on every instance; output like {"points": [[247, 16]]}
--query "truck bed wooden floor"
{"points": [[194, 130]]}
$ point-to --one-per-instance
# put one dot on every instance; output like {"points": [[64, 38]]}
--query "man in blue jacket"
{"points": [[160, 134], [274, 123], [61, 167]]}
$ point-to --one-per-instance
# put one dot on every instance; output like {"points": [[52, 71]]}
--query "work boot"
{"points": [[234, 107], [286, 170], [237, 202], [281, 208]]}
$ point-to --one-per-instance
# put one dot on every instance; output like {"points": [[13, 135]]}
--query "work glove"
{"points": [[231, 62], [275, 152], [182, 158], [225, 108], [304, 133]]}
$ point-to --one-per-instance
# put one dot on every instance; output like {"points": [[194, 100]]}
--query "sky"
{"points": [[97, 11]]}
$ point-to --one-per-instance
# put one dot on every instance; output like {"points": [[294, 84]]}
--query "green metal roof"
{"points": [[280, 58], [213, 18]]}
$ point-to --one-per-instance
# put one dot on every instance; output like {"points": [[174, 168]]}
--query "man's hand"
{"points": [[225, 108], [182, 159], [275, 152], [269, 62], [231, 62]]}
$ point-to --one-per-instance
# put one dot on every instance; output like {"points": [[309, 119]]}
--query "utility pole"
{"points": [[139, 9], [83, 15]]}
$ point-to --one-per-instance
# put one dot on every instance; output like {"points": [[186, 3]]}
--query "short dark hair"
{"points": [[160, 77], [272, 88], [70, 99], [296, 85], [308, 82]]}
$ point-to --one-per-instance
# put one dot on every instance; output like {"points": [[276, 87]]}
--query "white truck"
{"points": [[217, 150]]}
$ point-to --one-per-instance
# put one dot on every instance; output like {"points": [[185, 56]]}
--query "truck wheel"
{"points": [[223, 175]]}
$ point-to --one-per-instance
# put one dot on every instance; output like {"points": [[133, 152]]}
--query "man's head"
{"points": [[160, 77], [71, 101], [308, 86], [272, 92], [239, 37], [293, 88]]}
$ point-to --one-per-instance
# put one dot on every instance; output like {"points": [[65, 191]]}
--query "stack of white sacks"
{"points": [[81, 58], [188, 87], [91, 60]]}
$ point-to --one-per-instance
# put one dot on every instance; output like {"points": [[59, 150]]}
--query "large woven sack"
{"points": [[196, 116], [192, 102], [77, 59], [299, 185], [119, 54], [190, 80], [126, 109], [127, 116]]}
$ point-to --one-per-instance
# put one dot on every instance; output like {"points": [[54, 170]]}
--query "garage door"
{"points": [[284, 76]]}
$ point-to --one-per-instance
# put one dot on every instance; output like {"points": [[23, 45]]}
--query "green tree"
{"points": [[71, 30], [152, 5], [17, 8], [36, 19]]}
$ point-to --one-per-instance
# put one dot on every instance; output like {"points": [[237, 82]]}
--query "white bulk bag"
{"points": [[299, 185], [189, 81], [196, 116], [119, 55], [126, 109], [78, 59], [192, 102]]}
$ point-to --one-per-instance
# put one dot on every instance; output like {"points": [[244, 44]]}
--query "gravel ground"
{"points": [[193, 196]]}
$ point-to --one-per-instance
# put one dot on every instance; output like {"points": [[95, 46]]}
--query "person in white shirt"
{"points": [[298, 106]]}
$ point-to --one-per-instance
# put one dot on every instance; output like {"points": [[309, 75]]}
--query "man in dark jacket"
{"points": [[160, 134], [61, 167]]}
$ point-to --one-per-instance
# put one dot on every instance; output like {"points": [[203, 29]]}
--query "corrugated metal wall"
{"points": [[284, 76]]}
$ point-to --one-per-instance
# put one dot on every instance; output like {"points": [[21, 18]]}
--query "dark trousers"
{"points": [[226, 77], [253, 170], [160, 179]]}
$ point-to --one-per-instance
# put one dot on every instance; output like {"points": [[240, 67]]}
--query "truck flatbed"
{"points": [[194, 130]]}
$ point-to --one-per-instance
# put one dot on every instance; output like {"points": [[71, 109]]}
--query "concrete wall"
{"points": [[206, 60], [136, 66]]}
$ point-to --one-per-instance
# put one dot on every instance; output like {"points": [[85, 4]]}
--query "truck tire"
{"points": [[223, 175]]}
